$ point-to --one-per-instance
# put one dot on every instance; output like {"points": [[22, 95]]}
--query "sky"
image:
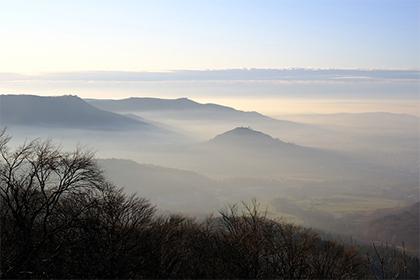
{"points": [[227, 51], [39, 36]]}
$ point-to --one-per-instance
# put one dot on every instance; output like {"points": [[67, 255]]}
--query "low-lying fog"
{"points": [[338, 172]]}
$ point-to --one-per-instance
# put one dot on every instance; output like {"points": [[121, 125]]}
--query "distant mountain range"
{"points": [[180, 108], [128, 114], [153, 104], [205, 120], [241, 150], [62, 112]]}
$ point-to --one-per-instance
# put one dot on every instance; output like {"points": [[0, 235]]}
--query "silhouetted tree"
{"points": [[36, 181]]}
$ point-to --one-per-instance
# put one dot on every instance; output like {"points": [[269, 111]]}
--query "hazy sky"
{"points": [[116, 49], [83, 35]]}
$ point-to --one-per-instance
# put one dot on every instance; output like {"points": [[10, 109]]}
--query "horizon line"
{"points": [[210, 70]]}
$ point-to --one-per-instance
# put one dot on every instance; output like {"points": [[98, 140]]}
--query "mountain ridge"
{"points": [[150, 104], [61, 111]]}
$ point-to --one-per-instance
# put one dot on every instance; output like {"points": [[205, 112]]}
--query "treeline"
{"points": [[61, 219]]}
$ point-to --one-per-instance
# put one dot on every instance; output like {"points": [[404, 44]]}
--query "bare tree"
{"points": [[35, 179]]}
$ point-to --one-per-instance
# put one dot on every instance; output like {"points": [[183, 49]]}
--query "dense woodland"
{"points": [[61, 219]]}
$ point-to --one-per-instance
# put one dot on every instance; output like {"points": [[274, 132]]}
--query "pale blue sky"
{"points": [[53, 36]]}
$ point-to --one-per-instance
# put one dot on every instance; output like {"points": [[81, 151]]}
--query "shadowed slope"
{"points": [[61, 111]]}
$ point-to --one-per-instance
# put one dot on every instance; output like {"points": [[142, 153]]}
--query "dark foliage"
{"points": [[61, 219]]}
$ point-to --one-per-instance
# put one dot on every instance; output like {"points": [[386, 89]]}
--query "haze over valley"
{"points": [[317, 170], [210, 139]]}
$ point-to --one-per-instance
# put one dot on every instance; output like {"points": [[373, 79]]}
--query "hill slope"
{"points": [[172, 189], [396, 226], [180, 108], [245, 136], [246, 151], [61, 111]]}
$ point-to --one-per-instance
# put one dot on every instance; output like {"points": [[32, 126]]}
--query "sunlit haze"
{"points": [[52, 47], [210, 139]]}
